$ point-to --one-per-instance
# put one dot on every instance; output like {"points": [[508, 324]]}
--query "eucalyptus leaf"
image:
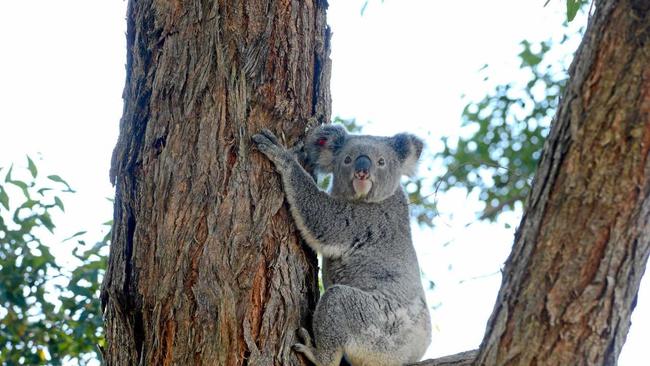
{"points": [[572, 7], [59, 203], [8, 176], [32, 167], [4, 198], [56, 178], [78, 233]]}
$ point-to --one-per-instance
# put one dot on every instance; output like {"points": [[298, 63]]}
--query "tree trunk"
{"points": [[570, 284], [206, 266]]}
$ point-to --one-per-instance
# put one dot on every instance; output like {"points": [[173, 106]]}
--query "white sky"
{"points": [[403, 65]]}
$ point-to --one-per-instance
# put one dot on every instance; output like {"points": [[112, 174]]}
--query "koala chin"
{"points": [[373, 311]]}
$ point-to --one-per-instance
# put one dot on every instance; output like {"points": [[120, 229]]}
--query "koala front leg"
{"points": [[320, 218], [269, 145]]}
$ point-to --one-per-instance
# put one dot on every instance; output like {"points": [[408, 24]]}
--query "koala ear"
{"points": [[408, 149], [322, 144]]}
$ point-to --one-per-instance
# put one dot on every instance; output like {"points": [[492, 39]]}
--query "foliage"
{"points": [[44, 319], [572, 8], [504, 132]]}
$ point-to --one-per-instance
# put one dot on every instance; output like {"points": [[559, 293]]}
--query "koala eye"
{"points": [[381, 162], [347, 160]]}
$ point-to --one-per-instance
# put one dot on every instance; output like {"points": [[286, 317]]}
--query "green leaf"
{"points": [[58, 202], [8, 176], [43, 190], [572, 7], [4, 198], [32, 167], [74, 235], [22, 185], [18, 183], [56, 178], [47, 222]]}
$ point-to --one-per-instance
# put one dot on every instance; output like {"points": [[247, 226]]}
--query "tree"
{"points": [[570, 283], [205, 264]]}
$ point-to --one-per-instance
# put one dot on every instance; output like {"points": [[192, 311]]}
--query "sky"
{"points": [[403, 65]]}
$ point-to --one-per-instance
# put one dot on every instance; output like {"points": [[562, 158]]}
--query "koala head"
{"points": [[364, 168]]}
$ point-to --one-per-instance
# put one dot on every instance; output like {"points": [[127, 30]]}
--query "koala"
{"points": [[373, 311]]}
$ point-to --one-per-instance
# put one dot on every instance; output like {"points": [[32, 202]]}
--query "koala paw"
{"points": [[306, 350], [269, 145], [298, 149], [304, 336], [299, 347]]}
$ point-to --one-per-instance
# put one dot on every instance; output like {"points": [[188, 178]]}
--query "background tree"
{"points": [[570, 283], [205, 265]]}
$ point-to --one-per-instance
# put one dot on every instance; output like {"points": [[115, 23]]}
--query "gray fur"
{"points": [[373, 311]]}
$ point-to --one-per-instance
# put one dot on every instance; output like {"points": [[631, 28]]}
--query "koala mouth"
{"points": [[361, 187]]}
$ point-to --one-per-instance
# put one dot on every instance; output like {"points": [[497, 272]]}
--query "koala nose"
{"points": [[361, 166]]}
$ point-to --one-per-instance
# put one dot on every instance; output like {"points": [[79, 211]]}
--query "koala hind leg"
{"points": [[330, 357], [345, 322], [358, 325]]}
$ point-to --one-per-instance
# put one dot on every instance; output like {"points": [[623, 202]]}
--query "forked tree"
{"points": [[206, 266]]}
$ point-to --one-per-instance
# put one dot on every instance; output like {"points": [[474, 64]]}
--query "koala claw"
{"points": [[304, 336], [299, 347], [306, 351], [269, 135], [268, 145], [262, 140], [297, 148], [264, 143]]}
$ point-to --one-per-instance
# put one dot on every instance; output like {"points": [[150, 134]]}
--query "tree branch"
{"points": [[459, 359]]}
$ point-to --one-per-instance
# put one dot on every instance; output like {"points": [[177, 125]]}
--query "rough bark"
{"points": [[205, 264], [460, 359], [571, 281]]}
